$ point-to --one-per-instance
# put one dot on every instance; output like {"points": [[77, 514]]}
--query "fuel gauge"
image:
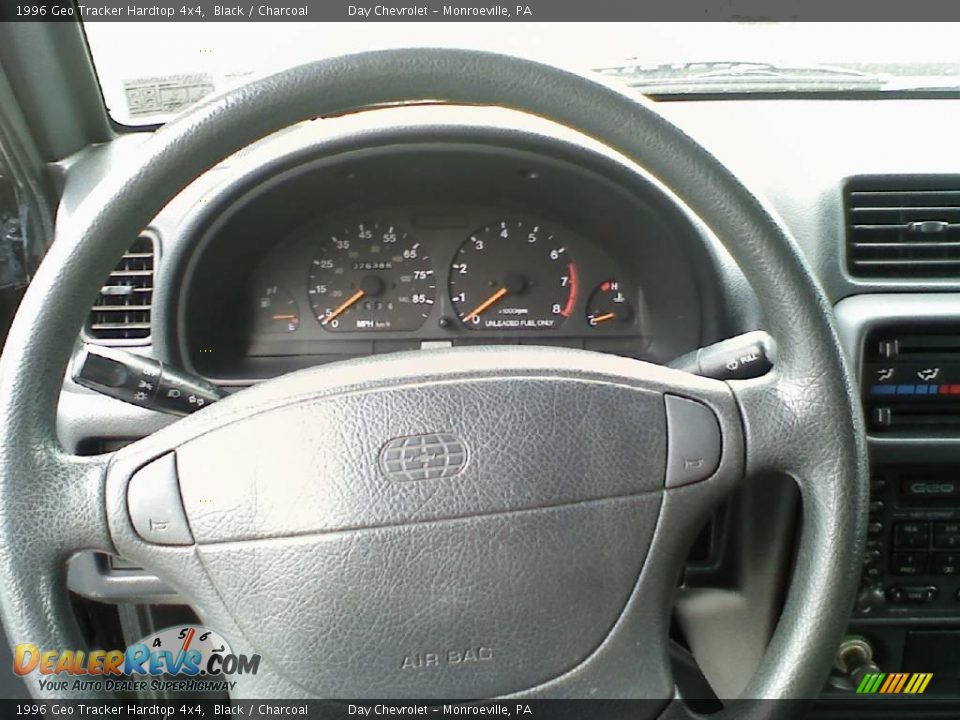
{"points": [[276, 311], [607, 305]]}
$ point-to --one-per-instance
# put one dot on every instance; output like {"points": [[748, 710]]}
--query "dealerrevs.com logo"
{"points": [[179, 658]]}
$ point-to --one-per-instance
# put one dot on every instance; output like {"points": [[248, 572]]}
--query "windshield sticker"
{"points": [[165, 94]]}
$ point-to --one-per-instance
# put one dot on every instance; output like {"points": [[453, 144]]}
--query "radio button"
{"points": [[912, 593], [946, 535], [945, 564], [911, 535], [909, 564]]}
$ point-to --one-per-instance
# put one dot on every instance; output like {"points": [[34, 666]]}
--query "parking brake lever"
{"points": [[142, 381]]}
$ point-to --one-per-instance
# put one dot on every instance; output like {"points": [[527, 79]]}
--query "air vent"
{"points": [[903, 227], [121, 313], [911, 380]]}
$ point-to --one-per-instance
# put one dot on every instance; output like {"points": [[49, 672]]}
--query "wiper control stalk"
{"points": [[738, 358]]}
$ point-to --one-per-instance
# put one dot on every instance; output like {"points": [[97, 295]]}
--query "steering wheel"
{"points": [[542, 560]]}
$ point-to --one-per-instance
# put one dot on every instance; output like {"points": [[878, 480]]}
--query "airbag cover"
{"points": [[319, 465]]}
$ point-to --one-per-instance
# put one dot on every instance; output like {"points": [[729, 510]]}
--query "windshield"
{"points": [[151, 71]]}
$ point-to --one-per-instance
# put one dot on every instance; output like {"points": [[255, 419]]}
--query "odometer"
{"points": [[371, 276], [513, 275]]}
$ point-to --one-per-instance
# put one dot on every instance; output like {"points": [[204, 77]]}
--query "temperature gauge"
{"points": [[608, 305], [276, 311]]}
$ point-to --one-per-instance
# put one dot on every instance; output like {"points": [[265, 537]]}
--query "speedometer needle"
{"points": [[342, 307], [485, 304]]}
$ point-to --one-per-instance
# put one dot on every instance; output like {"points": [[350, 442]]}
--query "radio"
{"points": [[911, 564]]}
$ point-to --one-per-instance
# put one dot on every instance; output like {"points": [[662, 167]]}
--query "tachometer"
{"points": [[371, 276], [513, 275]]}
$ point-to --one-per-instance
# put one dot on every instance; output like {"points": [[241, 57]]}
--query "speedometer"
{"points": [[371, 276], [513, 275]]}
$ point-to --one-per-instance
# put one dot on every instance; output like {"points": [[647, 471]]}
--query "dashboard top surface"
{"points": [[794, 153]]}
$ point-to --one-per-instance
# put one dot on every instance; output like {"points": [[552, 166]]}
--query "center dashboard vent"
{"points": [[121, 313], [903, 227], [911, 380]]}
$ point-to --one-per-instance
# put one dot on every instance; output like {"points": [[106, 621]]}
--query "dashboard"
{"points": [[254, 278]]}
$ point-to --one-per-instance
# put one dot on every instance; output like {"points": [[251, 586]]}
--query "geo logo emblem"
{"points": [[433, 456]]}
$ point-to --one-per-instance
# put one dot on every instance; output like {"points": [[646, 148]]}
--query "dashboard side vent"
{"points": [[911, 380], [903, 227], [121, 313]]}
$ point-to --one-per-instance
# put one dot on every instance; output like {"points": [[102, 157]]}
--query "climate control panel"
{"points": [[911, 380]]}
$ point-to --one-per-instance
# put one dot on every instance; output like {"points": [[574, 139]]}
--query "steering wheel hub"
{"points": [[481, 510]]}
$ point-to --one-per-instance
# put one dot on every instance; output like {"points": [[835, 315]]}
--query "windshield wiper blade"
{"points": [[740, 76]]}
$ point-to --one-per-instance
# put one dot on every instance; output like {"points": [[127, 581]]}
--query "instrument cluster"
{"points": [[437, 273]]}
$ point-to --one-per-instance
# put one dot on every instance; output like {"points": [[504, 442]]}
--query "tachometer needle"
{"points": [[602, 318], [342, 307], [485, 304]]}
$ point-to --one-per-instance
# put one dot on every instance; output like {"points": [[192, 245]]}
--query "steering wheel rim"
{"points": [[803, 419]]}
